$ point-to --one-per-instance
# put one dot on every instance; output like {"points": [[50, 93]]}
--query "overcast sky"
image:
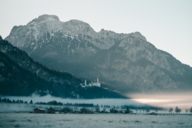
{"points": [[165, 23]]}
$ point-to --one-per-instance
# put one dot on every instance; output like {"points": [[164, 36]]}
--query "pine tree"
{"points": [[31, 102], [190, 110], [177, 110]]}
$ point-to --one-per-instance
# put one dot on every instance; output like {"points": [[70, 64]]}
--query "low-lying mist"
{"points": [[180, 99]]}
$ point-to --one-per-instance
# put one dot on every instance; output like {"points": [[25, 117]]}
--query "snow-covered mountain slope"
{"points": [[127, 62]]}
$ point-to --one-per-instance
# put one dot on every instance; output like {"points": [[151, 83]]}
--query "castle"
{"points": [[91, 84]]}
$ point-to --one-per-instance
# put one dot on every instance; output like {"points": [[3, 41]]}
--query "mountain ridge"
{"points": [[124, 61]]}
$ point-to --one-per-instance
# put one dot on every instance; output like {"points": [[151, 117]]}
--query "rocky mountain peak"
{"points": [[77, 23], [44, 18], [77, 27], [138, 35], [107, 32]]}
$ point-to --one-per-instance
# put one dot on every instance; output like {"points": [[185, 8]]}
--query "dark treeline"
{"points": [[91, 108], [80, 110], [7, 100], [67, 104]]}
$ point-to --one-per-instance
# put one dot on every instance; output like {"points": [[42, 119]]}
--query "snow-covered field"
{"points": [[29, 120]]}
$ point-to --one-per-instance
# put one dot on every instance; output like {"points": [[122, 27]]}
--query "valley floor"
{"points": [[31, 120]]}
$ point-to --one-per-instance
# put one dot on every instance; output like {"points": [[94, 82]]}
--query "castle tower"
{"points": [[98, 80]]}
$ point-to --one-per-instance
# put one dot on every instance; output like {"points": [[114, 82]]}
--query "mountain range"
{"points": [[124, 62], [22, 76]]}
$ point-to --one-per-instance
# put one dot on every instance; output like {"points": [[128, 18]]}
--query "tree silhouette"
{"points": [[190, 110], [177, 110], [170, 110], [31, 102]]}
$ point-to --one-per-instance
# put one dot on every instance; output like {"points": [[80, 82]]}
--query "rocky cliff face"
{"points": [[21, 76], [127, 62]]}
